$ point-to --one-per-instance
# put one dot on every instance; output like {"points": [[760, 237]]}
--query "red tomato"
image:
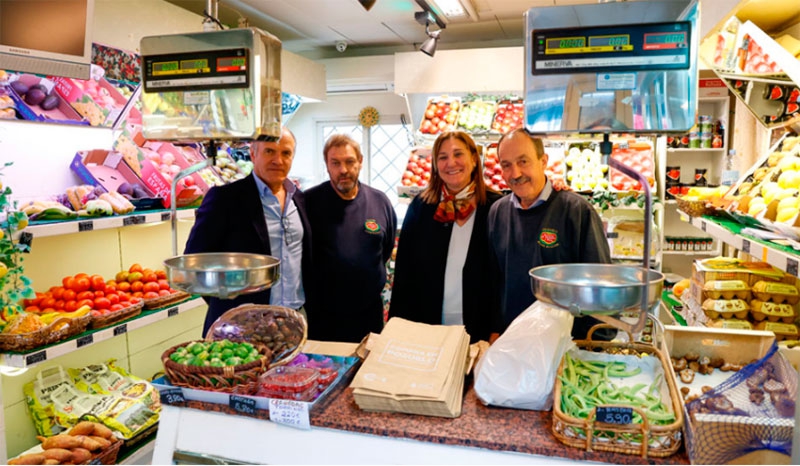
{"points": [[163, 284], [99, 294], [32, 309], [47, 302], [86, 302], [102, 303], [84, 295], [58, 292], [98, 283], [150, 286], [150, 295], [59, 304], [69, 295], [135, 300], [123, 286], [113, 297], [137, 286], [82, 284], [161, 274], [164, 292], [116, 307], [70, 306]]}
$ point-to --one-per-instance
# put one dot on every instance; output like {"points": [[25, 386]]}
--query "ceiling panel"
{"points": [[312, 27]]}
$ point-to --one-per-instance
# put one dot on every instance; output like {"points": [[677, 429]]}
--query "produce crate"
{"points": [[592, 434], [441, 114], [734, 346], [62, 113], [103, 168]]}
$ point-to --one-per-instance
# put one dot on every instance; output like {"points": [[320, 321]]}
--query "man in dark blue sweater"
{"points": [[537, 225], [354, 227]]}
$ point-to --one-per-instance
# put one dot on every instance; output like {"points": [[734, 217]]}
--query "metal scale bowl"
{"points": [[213, 85]]}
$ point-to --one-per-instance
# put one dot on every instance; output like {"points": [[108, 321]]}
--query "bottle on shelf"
{"points": [[731, 173]]}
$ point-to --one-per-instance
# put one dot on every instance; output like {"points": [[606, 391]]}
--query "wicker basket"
{"points": [[590, 434], [60, 329], [118, 316], [695, 208], [162, 301], [260, 324], [230, 379]]}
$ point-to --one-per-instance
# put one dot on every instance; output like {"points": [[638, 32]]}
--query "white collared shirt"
{"points": [[543, 197], [286, 243]]}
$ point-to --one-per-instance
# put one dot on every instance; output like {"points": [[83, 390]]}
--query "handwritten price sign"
{"points": [[289, 412]]}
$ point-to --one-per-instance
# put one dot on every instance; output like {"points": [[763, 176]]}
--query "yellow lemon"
{"points": [[23, 222], [3, 270]]}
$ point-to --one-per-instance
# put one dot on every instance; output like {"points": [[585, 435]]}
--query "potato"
{"points": [[60, 454], [82, 428], [80, 455], [104, 442], [31, 458], [61, 441], [102, 431]]}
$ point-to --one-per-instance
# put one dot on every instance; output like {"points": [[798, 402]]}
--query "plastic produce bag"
{"points": [[519, 369]]}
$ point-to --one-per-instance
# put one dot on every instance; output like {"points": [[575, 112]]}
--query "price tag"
{"points": [[133, 220], [172, 312], [612, 234], [165, 216], [791, 266], [97, 460], [289, 412], [85, 340], [242, 404], [86, 225], [34, 358], [172, 396], [120, 330], [746, 246], [704, 226], [614, 414]]}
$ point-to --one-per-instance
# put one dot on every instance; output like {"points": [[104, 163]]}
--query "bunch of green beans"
{"points": [[587, 384]]}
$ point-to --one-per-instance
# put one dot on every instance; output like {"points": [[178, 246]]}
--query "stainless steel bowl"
{"points": [[225, 275], [604, 289]]}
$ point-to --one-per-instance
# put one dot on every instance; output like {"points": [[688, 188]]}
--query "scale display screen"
{"points": [[637, 47], [215, 69]]}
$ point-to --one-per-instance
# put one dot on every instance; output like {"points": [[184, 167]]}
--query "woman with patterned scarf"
{"points": [[443, 252]]}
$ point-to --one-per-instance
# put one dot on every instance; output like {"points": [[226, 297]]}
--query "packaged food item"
{"points": [[781, 330], [772, 312], [726, 308], [735, 324], [726, 289], [289, 383], [776, 292]]}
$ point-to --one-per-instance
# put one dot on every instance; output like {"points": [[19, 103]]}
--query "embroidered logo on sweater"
{"points": [[372, 226], [548, 238]]}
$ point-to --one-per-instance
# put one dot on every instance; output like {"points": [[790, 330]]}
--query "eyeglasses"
{"points": [[288, 232]]}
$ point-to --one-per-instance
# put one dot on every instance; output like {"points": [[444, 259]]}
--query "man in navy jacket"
{"points": [[263, 213]]}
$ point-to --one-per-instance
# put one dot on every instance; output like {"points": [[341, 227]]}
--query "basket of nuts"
{"points": [[281, 329]]}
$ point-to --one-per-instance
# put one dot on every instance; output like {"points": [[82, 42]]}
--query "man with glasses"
{"points": [[263, 213], [354, 228]]}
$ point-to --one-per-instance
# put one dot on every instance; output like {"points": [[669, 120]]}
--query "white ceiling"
{"points": [[312, 27]]}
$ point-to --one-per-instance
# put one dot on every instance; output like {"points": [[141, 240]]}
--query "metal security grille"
{"points": [[386, 148]]}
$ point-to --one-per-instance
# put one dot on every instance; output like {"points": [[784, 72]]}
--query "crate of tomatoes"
{"points": [[441, 114]]}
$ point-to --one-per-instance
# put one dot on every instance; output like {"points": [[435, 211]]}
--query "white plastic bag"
{"points": [[519, 369]]}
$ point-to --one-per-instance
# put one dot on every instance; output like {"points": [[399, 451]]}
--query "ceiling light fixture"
{"points": [[367, 4], [429, 46], [451, 8]]}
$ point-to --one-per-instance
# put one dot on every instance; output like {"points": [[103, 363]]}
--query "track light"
{"points": [[367, 4], [429, 46]]}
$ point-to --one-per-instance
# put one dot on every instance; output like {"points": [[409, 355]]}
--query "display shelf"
{"points": [[690, 150], [713, 252], [104, 223], [782, 257], [32, 358]]}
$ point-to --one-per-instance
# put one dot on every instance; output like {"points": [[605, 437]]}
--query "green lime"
{"points": [[226, 353]]}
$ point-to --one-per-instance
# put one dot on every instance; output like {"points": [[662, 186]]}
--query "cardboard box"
{"points": [[103, 168], [99, 101], [62, 113], [712, 87], [734, 269], [735, 346]]}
